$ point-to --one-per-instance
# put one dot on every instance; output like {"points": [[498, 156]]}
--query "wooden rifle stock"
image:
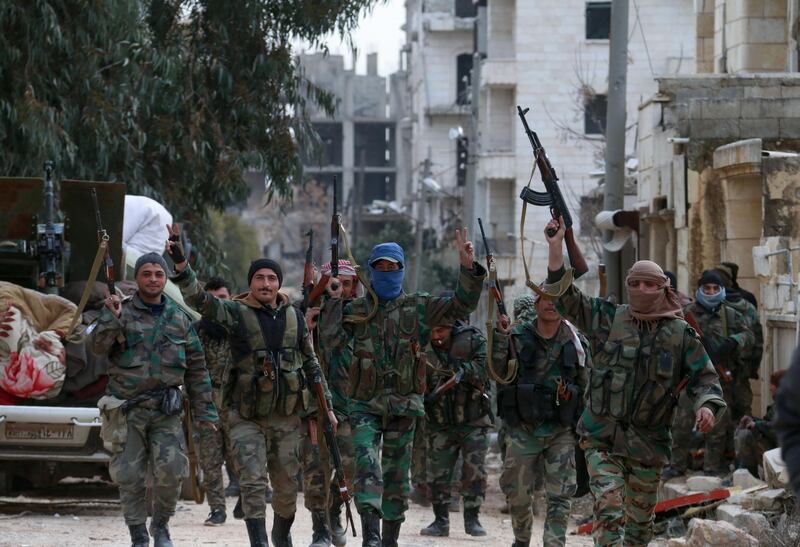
{"points": [[191, 454], [443, 388]]}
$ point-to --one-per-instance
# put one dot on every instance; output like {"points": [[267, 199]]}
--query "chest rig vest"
{"points": [[387, 351], [466, 403], [633, 375], [547, 393], [271, 379]]}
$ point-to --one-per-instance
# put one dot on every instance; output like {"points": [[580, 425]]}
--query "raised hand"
{"points": [[466, 251], [557, 228], [503, 324], [174, 247]]}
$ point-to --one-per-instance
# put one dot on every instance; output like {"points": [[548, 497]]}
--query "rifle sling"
{"points": [[98, 260]]}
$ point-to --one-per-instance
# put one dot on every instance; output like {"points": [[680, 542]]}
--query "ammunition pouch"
{"points": [[530, 404], [609, 392], [654, 404]]}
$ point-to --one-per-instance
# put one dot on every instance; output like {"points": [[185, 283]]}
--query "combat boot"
{"points": [[472, 525], [257, 532], [338, 533], [370, 529], [238, 512], [139, 535], [321, 536], [440, 527], [160, 532], [232, 490], [390, 532], [520, 543], [281, 531]]}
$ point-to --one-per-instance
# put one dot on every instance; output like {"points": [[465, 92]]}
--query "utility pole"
{"points": [[359, 205], [420, 221], [473, 200], [614, 194]]}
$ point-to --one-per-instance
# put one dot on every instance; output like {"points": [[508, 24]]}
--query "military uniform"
{"points": [[214, 445], [273, 358], [540, 422], [750, 358], [717, 325], [458, 422], [160, 350], [386, 383], [752, 443], [625, 427]]}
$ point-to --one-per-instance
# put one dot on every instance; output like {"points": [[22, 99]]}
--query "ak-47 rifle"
{"points": [[444, 387], [494, 287], [50, 238], [102, 236], [336, 221], [311, 291], [551, 197], [333, 446]]}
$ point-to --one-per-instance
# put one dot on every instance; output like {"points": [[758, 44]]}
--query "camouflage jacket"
{"points": [[723, 323], [160, 351], [544, 359], [629, 399], [262, 380], [752, 356], [386, 375], [468, 402], [218, 359], [335, 363]]}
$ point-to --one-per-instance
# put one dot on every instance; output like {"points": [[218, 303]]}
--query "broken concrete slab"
{"points": [[766, 500], [713, 533], [702, 483], [744, 479], [673, 488], [756, 524], [775, 471], [728, 512]]}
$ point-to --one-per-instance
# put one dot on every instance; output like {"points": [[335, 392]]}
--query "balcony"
{"points": [[446, 22], [444, 110], [497, 165], [501, 73]]}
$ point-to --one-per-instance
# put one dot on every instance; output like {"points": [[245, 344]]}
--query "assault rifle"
{"points": [[444, 387], [551, 197], [50, 238], [336, 221], [311, 291], [494, 287], [102, 236], [333, 446]]}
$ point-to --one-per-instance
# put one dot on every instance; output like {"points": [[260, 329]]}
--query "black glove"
{"points": [[726, 347], [176, 249]]}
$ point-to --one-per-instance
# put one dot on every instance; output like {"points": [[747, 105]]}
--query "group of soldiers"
{"points": [[571, 371]]}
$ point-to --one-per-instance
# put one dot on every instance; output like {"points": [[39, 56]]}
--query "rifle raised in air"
{"points": [[494, 287], [551, 197], [102, 236], [336, 221]]}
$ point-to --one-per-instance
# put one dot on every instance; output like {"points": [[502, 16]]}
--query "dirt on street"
{"points": [[25, 521]]}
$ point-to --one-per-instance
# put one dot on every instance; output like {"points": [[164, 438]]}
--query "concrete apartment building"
{"points": [[719, 157], [549, 56]]}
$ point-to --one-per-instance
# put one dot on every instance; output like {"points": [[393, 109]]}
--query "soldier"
{"points": [[540, 407], [214, 445], [387, 378], [152, 350], [745, 303], [457, 422], [726, 337], [335, 364], [271, 349], [754, 436], [645, 352]]}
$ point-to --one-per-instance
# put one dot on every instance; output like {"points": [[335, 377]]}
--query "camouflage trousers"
{"points": [[344, 438], [154, 441], [718, 442], [420, 453], [523, 448], [314, 463], [472, 443], [268, 444], [625, 491], [214, 449], [750, 447], [382, 468]]}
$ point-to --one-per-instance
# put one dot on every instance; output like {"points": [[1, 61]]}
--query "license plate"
{"points": [[40, 432]]}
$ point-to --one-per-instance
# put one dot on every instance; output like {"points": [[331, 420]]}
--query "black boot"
{"points": [[518, 543], [257, 532], [390, 532], [472, 525], [232, 490], [338, 533], [321, 536], [370, 529], [160, 532], [139, 535], [281, 531], [440, 527]]}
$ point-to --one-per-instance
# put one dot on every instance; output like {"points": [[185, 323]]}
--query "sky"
{"points": [[379, 31]]}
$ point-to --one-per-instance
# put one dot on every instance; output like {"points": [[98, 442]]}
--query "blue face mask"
{"points": [[387, 285], [710, 302]]}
